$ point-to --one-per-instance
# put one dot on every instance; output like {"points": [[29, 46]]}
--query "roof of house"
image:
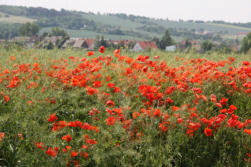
{"points": [[147, 44], [89, 42], [79, 43], [69, 42]]}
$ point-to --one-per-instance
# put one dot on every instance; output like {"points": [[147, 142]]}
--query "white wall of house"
{"points": [[171, 48]]}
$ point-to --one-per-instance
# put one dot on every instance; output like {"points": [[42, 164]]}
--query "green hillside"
{"points": [[119, 26]]}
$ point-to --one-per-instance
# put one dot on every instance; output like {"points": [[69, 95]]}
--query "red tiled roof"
{"points": [[90, 42], [147, 44]]}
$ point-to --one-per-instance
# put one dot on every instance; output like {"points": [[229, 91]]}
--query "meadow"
{"points": [[119, 108]]}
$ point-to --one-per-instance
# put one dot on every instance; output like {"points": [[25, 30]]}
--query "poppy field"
{"points": [[117, 108]]}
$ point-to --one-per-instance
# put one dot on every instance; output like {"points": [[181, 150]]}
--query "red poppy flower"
{"points": [[67, 138], [53, 118], [51, 152], [85, 155], [110, 121], [1, 136], [6, 99], [116, 51], [109, 103], [208, 132], [74, 154], [40, 145], [90, 53], [102, 49], [248, 131]]}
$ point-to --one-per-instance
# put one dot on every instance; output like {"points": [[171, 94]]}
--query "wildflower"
{"points": [[51, 152], [162, 127], [1, 136], [40, 145], [6, 99], [85, 155], [144, 69], [111, 85], [102, 49], [179, 120], [97, 84], [208, 132], [110, 121], [109, 103], [248, 131], [67, 138], [175, 108], [90, 53], [135, 115], [84, 146], [74, 154], [157, 113], [20, 135], [223, 111], [67, 148], [91, 91], [128, 71], [116, 51], [223, 101], [246, 63], [52, 118], [59, 125]]}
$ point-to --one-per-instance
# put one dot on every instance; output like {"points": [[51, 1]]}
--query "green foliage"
{"points": [[100, 41], [207, 46], [28, 29], [246, 43], [8, 31], [165, 41], [58, 32]]}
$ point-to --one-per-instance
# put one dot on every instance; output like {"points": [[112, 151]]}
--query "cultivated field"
{"points": [[118, 108]]}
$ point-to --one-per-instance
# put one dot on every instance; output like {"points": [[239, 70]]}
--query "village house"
{"points": [[53, 40], [69, 43], [192, 44], [121, 43], [82, 43], [28, 42], [79, 43], [171, 48], [144, 45], [90, 43]]}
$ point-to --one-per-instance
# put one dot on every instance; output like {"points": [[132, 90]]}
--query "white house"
{"points": [[171, 48]]}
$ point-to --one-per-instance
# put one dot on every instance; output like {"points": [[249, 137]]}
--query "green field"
{"points": [[119, 108], [14, 19]]}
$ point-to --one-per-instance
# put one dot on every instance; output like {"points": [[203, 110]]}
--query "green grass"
{"points": [[14, 19], [232, 27]]}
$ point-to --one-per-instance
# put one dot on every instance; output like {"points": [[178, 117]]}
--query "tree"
{"points": [[188, 43], [28, 29], [207, 46], [58, 32], [246, 43], [166, 41], [100, 41]]}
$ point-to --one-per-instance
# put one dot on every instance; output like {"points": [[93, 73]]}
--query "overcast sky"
{"points": [[227, 10]]}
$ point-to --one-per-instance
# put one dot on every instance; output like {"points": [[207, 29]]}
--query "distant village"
{"points": [[50, 42]]}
